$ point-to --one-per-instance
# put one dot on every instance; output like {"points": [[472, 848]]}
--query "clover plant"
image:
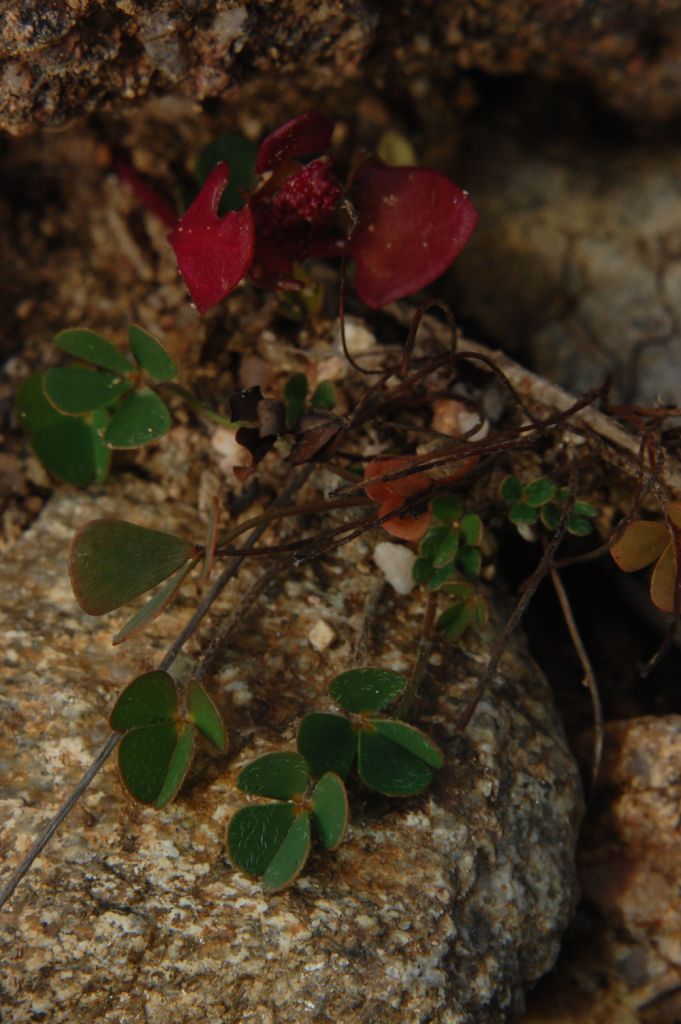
{"points": [[543, 501], [645, 543]]}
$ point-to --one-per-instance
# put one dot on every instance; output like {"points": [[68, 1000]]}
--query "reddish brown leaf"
{"points": [[640, 545], [663, 580]]}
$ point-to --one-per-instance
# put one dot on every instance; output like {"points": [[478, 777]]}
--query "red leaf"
{"points": [[213, 253], [307, 133], [412, 224]]}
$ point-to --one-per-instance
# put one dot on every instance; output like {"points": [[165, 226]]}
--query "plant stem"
{"points": [[526, 596], [204, 410], [425, 647], [100, 760], [589, 675]]}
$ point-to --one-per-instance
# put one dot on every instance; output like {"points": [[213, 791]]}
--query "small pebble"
{"points": [[396, 562], [321, 636]]}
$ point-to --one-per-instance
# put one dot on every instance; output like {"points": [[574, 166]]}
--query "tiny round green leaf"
{"points": [[74, 391], [150, 354], [471, 529], [324, 396], [578, 526], [367, 689], [93, 348], [469, 561], [178, 767], [440, 576], [447, 507], [410, 739], [538, 492], [456, 619], [328, 743], [432, 540], [550, 516], [422, 570], [446, 552], [112, 561], [142, 418], [388, 768], [150, 699], [205, 716], [280, 776], [510, 490], [255, 834], [330, 810], [522, 514], [290, 858], [295, 389], [144, 756], [583, 508]]}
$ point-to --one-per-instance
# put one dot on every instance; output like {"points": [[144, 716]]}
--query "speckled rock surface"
{"points": [[67, 57], [443, 908], [576, 261], [622, 958]]}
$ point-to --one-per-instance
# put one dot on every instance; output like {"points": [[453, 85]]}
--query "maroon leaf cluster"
{"points": [[412, 223]]}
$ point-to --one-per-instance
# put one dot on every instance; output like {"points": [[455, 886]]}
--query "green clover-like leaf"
{"points": [[69, 447], [150, 699], [150, 354], [142, 418], [290, 858], [388, 768], [144, 759], [578, 526], [178, 766], [255, 833], [281, 775], [202, 712], [74, 391], [422, 570], [328, 743], [550, 516], [330, 810], [112, 561], [366, 689], [93, 348]]}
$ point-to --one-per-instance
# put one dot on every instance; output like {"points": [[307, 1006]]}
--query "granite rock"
{"points": [[576, 261], [622, 958], [443, 908], [60, 60]]}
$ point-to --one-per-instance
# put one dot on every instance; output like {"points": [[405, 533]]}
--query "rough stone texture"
{"points": [[576, 260], [626, 968], [443, 908], [67, 57]]}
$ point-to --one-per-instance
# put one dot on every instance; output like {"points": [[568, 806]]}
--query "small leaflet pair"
{"points": [[157, 747]]}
